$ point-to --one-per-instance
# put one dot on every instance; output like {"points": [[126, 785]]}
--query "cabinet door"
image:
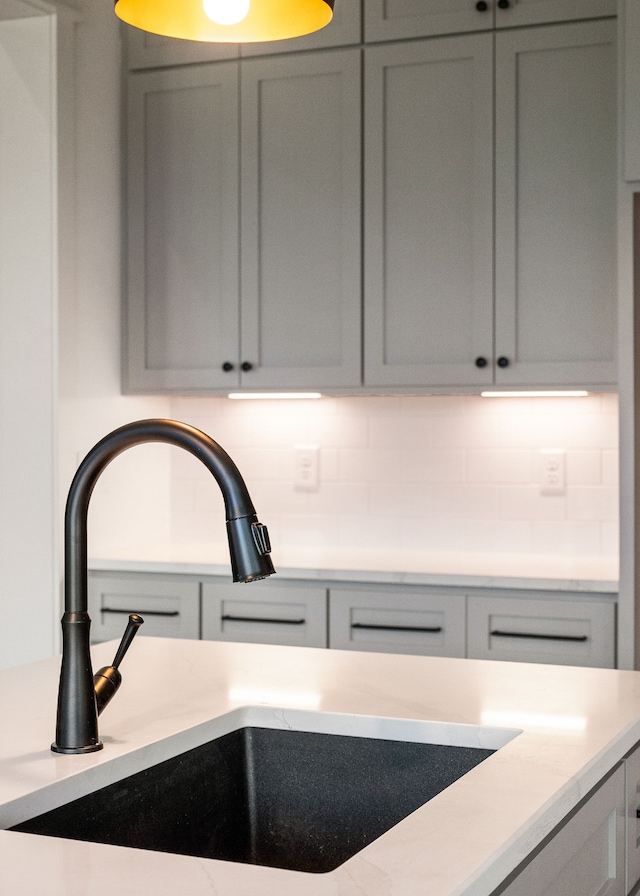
{"points": [[632, 772], [170, 605], [145, 50], [631, 96], [291, 613], [538, 12], [586, 856], [564, 632], [301, 203], [182, 228], [397, 621], [344, 29], [394, 19], [428, 212], [556, 205]]}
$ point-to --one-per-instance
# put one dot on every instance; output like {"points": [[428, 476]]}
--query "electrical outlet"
{"points": [[551, 472], [305, 473]]}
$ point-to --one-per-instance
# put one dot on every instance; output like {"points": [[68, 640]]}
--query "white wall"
{"points": [[27, 346], [131, 499]]}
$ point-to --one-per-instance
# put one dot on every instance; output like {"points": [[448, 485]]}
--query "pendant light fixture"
{"points": [[227, 21]]}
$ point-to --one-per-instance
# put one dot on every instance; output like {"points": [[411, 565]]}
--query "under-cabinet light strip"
{"points": [[577, 393], [273, 395]]}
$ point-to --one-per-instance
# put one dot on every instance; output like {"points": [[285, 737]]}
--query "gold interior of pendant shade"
{"points": [[266, 19]]}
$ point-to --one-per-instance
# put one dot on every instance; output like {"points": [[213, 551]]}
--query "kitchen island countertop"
{"points": [[576, 724]]}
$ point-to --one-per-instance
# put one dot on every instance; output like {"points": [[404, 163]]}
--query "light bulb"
{"points": [[226, 12]]}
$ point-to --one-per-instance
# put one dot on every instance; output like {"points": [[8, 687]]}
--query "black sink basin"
{"points": [[288, 799]]}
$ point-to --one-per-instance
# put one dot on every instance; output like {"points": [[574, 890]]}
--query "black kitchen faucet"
{"points": [[82, 696]]}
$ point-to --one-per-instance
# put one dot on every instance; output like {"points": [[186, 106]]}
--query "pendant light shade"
{"points": [[227, 21]]}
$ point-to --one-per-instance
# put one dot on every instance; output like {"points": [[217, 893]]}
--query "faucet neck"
{"points": [[236, 496]]}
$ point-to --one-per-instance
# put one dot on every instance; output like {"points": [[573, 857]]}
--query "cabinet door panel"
{"points": [[145, 50], [301, 220], [397, 622], [342, 30], [555, 205], [393, 19], [183, 227], [580, 633], [428, 212], [537, 12], [265, 614], [169, 605]]}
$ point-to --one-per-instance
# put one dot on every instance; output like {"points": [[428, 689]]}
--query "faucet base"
{"points": [[92, 748]]}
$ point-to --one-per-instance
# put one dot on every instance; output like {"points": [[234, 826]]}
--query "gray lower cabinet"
{"points": [[290, 613], [577, 632], [170, 604], [538, 627], [384, 620], [632, 811], [586, 855]]}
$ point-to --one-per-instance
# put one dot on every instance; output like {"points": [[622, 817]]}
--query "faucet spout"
{"points": [[77, 725]]}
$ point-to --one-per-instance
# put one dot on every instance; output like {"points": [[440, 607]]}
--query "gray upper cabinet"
{"points": [[182, 184], [151, 50], [300, 220], [144, 50], [631, 88], [430, 317], [395, 19], [556, 205], [428, 211], [296, 321]]}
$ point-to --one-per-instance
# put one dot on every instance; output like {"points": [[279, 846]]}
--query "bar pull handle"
{"points": [[430, 629], [169, 613], [577, 639], [261, 619]]}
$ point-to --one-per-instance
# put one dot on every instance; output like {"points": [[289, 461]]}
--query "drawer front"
{"points": [[395, 622], [580, 633], [632, 807], [586, 856], [265, 614], [169, 605]]}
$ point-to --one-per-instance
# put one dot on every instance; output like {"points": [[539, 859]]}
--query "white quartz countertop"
{"points": [[575, 724], [454, 569]]}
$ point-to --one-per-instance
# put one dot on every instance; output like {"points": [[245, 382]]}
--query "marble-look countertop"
{"points": [[575, 725], [465, 569]]}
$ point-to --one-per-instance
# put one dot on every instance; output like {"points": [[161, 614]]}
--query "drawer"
{"points": [[169, 605], [580, 632], [263, 613], [586, 856], [392, 621]]}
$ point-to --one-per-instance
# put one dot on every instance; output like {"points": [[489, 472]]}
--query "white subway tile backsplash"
{"points": [[432, 473], [584, 468], [500, 466]]}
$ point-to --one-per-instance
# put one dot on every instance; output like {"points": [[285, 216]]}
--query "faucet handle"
{"points": [[107, 680]]}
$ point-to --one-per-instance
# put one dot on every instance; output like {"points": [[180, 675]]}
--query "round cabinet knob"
{"points": [[502, 361], [481, 362], [246, 366], [503, 4], [227, 366], [482, 6]]}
